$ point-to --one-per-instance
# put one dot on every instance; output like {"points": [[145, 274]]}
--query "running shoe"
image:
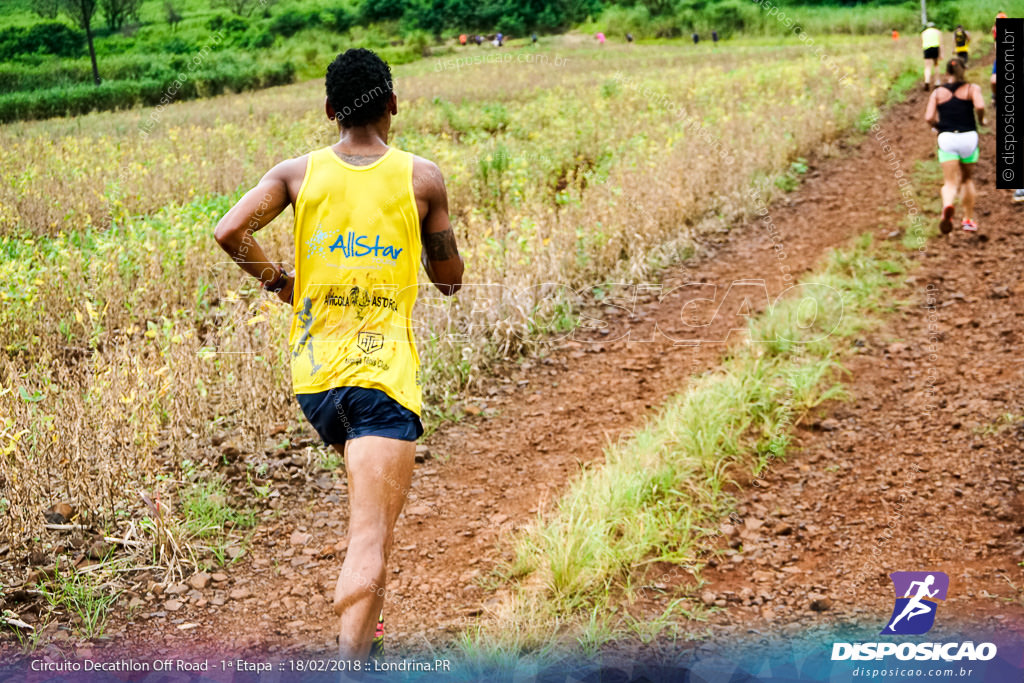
{"points": [[969, 225], [377, 644], [1018, 195], [946, 224]]}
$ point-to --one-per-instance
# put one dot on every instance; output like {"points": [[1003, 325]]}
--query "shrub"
{"points": [[178, 46], [945, 16], [263, 39], [227, 23], [381, 10], [70, 100], [291, 22], [45, 37], [727, 17], [341, 18]]}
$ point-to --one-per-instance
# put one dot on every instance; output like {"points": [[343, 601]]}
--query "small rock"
{"points": [[61, 513], [299, 538], [708, 597], [821, 605], [1000, 292], [136, 603], [38, 576], [422, 453], [829, 424], [279, 428], [417, 510], [98, 550], [176, 589], [499, 519], [172, 605], [470, 409], [239, 594], [230, 451], [199, 581], [219, 577], [233, 552]]}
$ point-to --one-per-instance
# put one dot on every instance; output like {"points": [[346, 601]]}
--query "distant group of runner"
{"points": [[931, 41], [498, 39], [955, 110]]}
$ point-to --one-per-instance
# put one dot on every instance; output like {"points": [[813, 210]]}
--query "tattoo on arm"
{"points": [[441, 245]]}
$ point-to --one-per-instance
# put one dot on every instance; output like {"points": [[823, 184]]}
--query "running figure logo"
{"points": [[306, 340], [917, 596]]}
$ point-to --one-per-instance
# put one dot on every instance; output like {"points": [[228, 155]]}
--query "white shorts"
{"points": [[962, 146]]}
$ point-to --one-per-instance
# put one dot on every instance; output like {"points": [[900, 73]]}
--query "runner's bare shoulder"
{"points": [[291, 172], [427, 180]]}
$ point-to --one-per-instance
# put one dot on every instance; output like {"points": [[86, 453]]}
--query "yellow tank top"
{"points": [[357, 255], [931, 37]]}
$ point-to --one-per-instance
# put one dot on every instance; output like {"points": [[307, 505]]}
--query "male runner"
{"points": [[961, 43], [931, 39], [365, 215]]}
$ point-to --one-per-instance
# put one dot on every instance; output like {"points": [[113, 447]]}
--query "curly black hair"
{"points": [[359, 87]]}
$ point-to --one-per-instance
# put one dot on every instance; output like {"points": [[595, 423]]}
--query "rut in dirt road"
{"points": [[541, 420]]}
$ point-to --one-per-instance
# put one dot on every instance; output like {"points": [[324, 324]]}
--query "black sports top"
{"points": [[956, 115]]}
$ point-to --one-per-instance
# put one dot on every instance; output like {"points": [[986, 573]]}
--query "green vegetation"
{"points": [[153, 53], [769, 17], [208, 519], [83, 595], [661, 493]]}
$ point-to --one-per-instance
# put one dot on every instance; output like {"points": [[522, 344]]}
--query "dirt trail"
{"points": [[491, 473], [921, 470]]}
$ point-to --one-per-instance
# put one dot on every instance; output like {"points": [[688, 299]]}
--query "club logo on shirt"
{"points": [[368, 342]]}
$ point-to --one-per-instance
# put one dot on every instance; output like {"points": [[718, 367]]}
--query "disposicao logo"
{"points": [[917, 599]]}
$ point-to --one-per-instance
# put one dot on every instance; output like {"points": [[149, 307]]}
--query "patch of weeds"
{"points": [[330, 460], [209, 519], [82, 595], [1001, 423]]}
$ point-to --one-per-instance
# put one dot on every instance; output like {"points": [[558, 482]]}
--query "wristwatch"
{"points": [[278, 283]]}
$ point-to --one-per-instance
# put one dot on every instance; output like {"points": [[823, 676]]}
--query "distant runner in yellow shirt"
{"points": [[366, 216], [931, 40], [962, 43]]}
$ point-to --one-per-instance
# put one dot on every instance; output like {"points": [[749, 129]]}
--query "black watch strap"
{"points": [[278, 283]]}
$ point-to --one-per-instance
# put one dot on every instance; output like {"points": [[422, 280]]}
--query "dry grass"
{"points": [[126, 348]]}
